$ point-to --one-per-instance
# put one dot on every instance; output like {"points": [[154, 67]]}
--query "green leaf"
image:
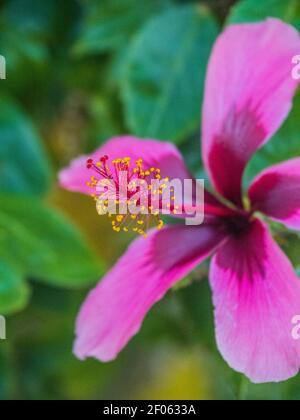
{"points": [[22, 34], [109, 24], [252, 10], [283, 146], [14, 292], [163, 86], [45, 244], [24, 167]]}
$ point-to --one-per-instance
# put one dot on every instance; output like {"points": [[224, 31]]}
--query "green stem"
{"points": [[243, 389]]}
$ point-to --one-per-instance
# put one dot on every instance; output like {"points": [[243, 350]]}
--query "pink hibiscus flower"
{"points": [[256, 293]]}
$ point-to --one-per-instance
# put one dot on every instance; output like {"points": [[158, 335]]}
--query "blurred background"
{"points": [[78, 73]]}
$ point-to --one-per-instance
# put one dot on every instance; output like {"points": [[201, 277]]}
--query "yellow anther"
{"points": [[137, 174], [139, 162], [160, 225]]}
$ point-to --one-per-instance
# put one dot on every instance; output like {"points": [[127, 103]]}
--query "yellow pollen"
{"points": [[138, 175]]}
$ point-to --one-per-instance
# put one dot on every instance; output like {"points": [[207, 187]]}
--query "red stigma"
{"points": [[89, 163], [103, 159]]}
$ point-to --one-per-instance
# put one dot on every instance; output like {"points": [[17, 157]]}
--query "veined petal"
{"points": [[256, 295], [115, 309], [276, 192], [249, 91]]}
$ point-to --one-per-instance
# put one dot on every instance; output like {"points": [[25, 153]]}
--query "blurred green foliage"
{"points": [[79, 72]]}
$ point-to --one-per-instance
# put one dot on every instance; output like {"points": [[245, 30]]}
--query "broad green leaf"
{"points": [[14, 292], [163, 86], [24, 167], [36, 18], [253, 10], [22, 34], [109, 24], [283, 146], [45, 244]]}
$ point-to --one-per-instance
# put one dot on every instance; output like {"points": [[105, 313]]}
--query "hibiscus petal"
{"points": [[248, 95], [276, 192], [256, 296], [115, 309], [162, 155]]}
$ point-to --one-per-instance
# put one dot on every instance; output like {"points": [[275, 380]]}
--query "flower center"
{"points": [[130, 195], [238, 224]]}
